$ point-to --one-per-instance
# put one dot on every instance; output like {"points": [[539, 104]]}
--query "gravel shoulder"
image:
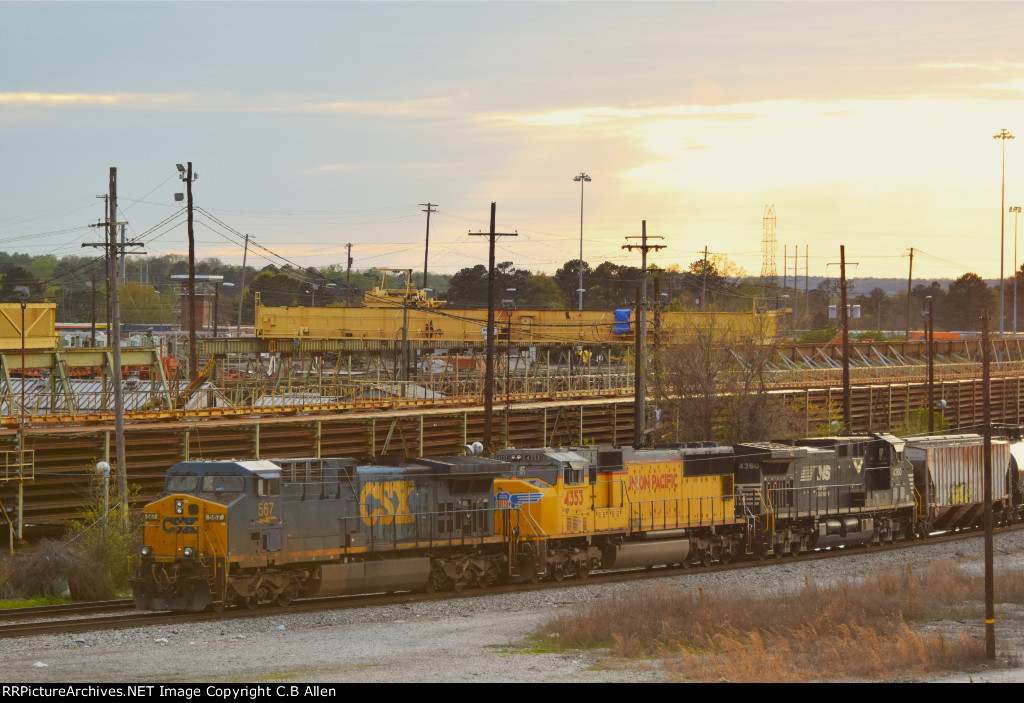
{"points": [[483, 639]]}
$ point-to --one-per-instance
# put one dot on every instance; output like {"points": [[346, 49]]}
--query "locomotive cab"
{"points": [[194, 529]]}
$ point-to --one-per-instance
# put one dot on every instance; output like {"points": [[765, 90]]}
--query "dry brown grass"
{"points": [[851, 631]]}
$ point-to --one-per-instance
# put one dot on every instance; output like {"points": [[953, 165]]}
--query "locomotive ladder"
{"points": [[769, 513], [214, 581], [515, 540]]}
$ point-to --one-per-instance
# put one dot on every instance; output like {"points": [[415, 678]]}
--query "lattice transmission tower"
{"points": [[768, 244]]}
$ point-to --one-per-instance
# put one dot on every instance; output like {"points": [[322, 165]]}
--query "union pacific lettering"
{"points": [[653, 482]]}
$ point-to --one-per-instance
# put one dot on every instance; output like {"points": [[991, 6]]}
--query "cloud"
{"points": [[232, 102], [352, 168], [129, 100], [992, 66], [378, 108], [570, 117]]}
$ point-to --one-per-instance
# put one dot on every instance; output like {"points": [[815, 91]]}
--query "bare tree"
{"points": [[715, 385]]}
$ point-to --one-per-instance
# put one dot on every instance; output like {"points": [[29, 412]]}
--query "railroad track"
{"points": [[67, 609], [137, 619]]}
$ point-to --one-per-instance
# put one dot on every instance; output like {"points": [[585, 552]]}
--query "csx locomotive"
{"points": [[256, 532]]}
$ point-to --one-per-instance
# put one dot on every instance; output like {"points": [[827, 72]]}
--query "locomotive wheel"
{"points": [[558, 573], [794, 549], [726, 556], [217, 607], [705, 557], [249, 603], [583, 571], [686, 563], [284, 598], [777, 551]]}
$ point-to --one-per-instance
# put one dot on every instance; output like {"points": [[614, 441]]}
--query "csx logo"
{"points": [[181, 525], [959, 494], [386, 502]]}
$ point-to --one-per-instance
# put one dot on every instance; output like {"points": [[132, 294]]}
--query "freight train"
{"points": [[250, 533]]}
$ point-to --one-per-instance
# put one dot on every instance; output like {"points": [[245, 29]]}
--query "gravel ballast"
{"points": [[477, 639]]}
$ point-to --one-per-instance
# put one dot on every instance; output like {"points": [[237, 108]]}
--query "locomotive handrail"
{"points": [[814, 495], [213, 548], [532, 521], [637, 511], [377, 536], [769, 509]]}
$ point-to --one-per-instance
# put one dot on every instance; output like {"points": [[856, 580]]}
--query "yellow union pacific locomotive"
{"points": [[257, 532]]}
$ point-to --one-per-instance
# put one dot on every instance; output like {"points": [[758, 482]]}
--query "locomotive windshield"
{"points": [[182, 484], [206, 484], [228, 484]]}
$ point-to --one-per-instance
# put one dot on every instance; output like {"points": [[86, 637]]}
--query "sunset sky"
{"points": [[312, 125]]}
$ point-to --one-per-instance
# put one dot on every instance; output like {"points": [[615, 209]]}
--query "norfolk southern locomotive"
{"points": [[256, 532]]}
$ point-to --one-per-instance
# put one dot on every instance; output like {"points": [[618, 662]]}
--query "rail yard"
{"points": [[284, 394]]}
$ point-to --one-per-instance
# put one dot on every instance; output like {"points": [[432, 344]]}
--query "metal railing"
{"points": [[17, 465], [297, 394], [678, 513], [815, 500]]}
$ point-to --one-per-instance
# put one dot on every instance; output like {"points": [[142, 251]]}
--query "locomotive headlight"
{"points": [[146, 551], [178, 505], [188, 551]]}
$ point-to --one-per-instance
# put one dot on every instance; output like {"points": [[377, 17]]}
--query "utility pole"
{"points": [[910, 280], [348, 278], [114, 338], [1002, 136], [656, 372], [107, 217], [785, 267], [92, 326], [639, 390], [426, 249], [990, 613], [123, 257], [704, 282], [193, 357], [931, 365], [489, 368], [241, 291], [846, 340]]}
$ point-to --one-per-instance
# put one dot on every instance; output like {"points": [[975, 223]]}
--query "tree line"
{"points": [[150, 295]]}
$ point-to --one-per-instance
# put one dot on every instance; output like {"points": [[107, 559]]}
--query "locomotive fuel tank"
{"points": [[407, 574], [647, 553]]}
